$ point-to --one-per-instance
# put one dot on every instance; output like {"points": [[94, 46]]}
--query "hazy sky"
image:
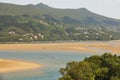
{"points": [[110, 8]]}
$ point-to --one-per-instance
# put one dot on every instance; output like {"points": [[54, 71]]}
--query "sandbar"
{"points": [[7, 65], [113, 46]]}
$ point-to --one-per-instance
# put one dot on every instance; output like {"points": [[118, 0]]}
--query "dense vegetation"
{"points": [[104, 67], [42, 23]]}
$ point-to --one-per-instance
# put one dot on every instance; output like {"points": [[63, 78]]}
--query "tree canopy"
{"points": [[104, 67]]}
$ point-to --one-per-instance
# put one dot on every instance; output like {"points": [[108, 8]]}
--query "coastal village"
{"points": [[28, 36]]}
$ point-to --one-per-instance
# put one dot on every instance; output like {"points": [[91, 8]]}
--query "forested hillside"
{"points": [[40, 22]]}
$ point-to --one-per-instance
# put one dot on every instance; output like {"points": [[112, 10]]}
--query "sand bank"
{"points": [[16, 65], [80, 46]]}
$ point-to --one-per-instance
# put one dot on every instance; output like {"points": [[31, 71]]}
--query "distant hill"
{"points": [[81, 15], [35, 19]]}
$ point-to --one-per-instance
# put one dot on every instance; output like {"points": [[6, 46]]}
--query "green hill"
{"points": [[38, 21], [81, 15]]}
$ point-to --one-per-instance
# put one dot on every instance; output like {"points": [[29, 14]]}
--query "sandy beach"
{"points": [[16, 65], [113, 46]]}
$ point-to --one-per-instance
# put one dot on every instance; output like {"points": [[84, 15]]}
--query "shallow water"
{"points": [[52, 61]]}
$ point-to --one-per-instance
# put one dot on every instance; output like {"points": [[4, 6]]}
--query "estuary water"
{"points": [[52, 61]]}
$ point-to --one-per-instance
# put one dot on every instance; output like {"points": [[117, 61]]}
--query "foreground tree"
{"points": [[104, 67]]}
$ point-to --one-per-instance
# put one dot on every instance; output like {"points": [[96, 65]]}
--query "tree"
{"points": [[104, 67]]}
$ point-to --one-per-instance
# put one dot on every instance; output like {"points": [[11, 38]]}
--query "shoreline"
{"points": [[7, 65], [113, 46], [47, 42]]}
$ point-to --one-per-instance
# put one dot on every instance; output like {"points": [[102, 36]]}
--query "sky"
{"points": [[109, 8]]}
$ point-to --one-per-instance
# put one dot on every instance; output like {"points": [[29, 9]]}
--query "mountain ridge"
{"points": [[77, 14], [40, 22], [42, 4]]}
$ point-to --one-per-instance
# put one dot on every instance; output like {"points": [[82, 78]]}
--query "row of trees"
{"points": [[104, 67]]}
